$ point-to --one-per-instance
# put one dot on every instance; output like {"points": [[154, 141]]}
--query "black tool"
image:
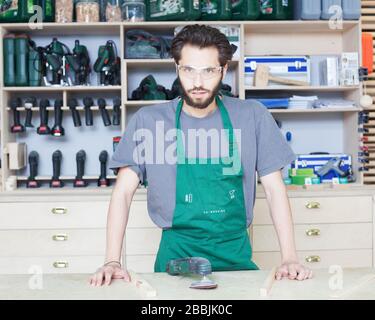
{"points": [[116, 116], [43, 128], [80, 159], [17, 126], [57, 129], [29, 104], [33, 162], [103, 181], [72, 104], [104, 112], [88, 102], [56, 165]]}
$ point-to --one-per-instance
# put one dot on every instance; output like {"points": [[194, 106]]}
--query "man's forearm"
{"points": [[282, 218], [116, 224]]}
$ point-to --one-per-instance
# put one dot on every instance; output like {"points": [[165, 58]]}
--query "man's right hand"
{"points": [[105, 274]]}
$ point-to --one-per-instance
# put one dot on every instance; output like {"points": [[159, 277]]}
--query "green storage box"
{"points": [[172, 10], [276, 9], [216, 10], [245, 9]]}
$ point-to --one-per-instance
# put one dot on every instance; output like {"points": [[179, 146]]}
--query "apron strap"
{"points": [[227, 125]]}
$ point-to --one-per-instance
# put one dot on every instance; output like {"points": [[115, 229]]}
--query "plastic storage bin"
{"points": [[351, 9], [245, 9], [133, 10], [307, 9], [87, 11], [173, 10], [326, 5], [276, 10]]}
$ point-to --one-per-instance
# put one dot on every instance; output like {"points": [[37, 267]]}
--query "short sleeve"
{"points": [[273, 151], [127, 153]]}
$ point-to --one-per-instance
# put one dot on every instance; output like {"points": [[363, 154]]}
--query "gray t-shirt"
{"points": [[262, 148]]}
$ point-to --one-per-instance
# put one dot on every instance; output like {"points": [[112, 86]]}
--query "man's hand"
{"points": [[293, 271], [105, 274]]}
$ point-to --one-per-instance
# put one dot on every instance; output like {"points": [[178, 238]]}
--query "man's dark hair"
{"points": [[202, 36]]}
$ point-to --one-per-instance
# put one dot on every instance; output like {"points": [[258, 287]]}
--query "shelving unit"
{"points": [[256, 38]]}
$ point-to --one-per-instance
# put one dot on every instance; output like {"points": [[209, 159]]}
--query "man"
{"points": [[202, 199]]}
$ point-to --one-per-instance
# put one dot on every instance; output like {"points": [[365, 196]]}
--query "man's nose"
{"points": [[198, 80]]}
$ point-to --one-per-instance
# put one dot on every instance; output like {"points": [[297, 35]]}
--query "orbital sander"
{"points": [[193, 266]]}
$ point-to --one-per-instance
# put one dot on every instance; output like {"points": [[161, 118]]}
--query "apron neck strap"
{"points": [[227, 125]]}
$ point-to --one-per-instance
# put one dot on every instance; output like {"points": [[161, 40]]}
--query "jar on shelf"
{"points": [[113, 11], [64, 11], [87, 11], [133, 10]]}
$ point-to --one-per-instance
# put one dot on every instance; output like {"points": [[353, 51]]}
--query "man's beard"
{"points": [[202, 104]]}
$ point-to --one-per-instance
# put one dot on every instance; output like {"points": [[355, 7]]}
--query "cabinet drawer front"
{"points": [[30, 243], [317, 237], [50, 264], [359, 258], [142, 241], [320, 210], [39, 215], [35, 215]]}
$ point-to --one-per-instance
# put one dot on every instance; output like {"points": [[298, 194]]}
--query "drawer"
{"points": [[360, 258], [70, 264], [321, 210], [40, 215], [50, 264], [49, 215], [33, 243], [321, 237]]}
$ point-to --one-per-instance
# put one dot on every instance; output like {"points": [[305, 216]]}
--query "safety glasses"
{"points": [[205, 72]]}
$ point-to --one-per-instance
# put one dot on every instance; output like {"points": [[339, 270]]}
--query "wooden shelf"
{"points": [[143, 102], [61, 89], [63, 178], [315, 110], [303, 88]]}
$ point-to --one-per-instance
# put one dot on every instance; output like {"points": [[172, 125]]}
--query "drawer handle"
{"points": [[60, 264], [312, 259], [313, 232], [313, 205], [60, 237], [60, 210]]}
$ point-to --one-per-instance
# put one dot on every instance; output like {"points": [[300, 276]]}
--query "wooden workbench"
{"points": [[231, 285]]}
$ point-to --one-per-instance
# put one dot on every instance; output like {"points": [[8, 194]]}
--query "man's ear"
{"points": [[225, 69]]}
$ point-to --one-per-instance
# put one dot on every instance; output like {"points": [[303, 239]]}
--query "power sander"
{"points": [[193, 266]]}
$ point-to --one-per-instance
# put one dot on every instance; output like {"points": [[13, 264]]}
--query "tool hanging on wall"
{"points": [[80, 160], [107, 65], [17, 126], [56, 165], [72, 104], [116, 115], [193, 266], [57, 129], [33, 163], [103, 181], [30, 103], [43, 112], [88, 102], [54, 59], [104, 112], [79, 64]]}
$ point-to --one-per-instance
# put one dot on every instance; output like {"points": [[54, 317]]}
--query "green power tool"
{"points": [[79, 64], [108, 64], [193, 266]]}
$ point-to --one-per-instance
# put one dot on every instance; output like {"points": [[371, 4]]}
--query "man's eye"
{"points": [[209, 70], [188, 69]]}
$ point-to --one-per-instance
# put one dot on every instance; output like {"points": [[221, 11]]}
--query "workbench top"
{"points": [[231, 285]]}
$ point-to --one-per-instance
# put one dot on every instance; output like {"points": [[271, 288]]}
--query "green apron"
{"points": [[209, 217]]}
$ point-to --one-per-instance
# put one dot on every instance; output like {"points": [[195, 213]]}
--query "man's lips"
{"points": [[198, 93]]}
